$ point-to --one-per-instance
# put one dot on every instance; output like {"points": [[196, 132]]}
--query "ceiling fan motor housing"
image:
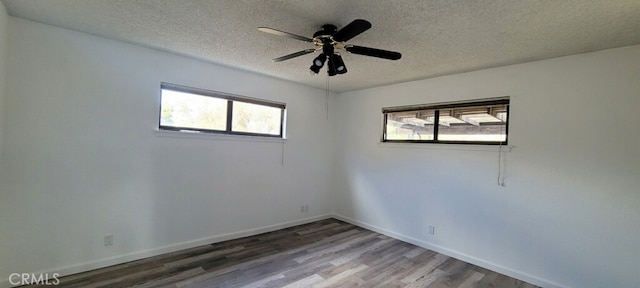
{"points": [[327, 30], [327, 46]]}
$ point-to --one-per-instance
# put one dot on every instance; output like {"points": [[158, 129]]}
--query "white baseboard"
{"points": [[87, 266], [91, 265], [455, 254]]}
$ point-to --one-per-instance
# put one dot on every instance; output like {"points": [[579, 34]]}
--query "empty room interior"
{"points": [[320, 143]]}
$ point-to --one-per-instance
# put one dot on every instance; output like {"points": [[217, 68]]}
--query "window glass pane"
{"points": [[254, 118], [187, 110], [410, 125], [476, 124]]}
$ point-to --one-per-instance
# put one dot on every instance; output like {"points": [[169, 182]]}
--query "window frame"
{"points": [[231, 98], [436, 107]]}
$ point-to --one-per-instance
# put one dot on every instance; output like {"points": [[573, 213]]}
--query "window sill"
{"points": [[217, 137], [442, 146]]}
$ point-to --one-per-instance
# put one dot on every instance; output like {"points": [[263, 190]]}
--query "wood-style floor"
{"points": [[326, 253]]}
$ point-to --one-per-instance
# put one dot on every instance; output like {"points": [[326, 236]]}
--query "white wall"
{"points": [[568, 215], [83, 159], [4, 34]]}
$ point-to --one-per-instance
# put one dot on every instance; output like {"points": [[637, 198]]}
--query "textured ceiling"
{"points": [[435, 37]]}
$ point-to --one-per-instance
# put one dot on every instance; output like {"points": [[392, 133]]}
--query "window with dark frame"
{"points": [[469, 122], [188, 109]]}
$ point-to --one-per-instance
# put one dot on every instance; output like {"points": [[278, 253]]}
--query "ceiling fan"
{"points": [[328, 40]]}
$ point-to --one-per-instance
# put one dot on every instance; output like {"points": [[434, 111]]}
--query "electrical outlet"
{"points": [[432, 230], [108, 240], [306, 208], [302, 209]]}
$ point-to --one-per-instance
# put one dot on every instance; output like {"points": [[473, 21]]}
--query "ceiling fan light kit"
{"points": [[339, 64], [327, 40]]}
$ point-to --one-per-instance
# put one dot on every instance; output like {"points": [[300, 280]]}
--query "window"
{"points": [[472, 122], [196, 110]]}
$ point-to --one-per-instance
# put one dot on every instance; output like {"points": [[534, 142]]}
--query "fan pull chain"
{"points": [[500, 176], [500, 161], [326, 96], [282, 155]]}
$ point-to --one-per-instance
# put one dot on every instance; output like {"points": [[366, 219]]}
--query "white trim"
{"points": [[87, 266], [217, 136], [442, 146], [91, 265], [455, 254]]}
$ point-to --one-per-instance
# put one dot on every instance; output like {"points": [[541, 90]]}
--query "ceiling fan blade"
{"points": [[373, 52], [352, 29], [282, 33], [293, 55]]}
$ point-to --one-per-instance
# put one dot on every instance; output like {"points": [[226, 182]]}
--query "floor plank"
{"points": [[326, 253]]}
